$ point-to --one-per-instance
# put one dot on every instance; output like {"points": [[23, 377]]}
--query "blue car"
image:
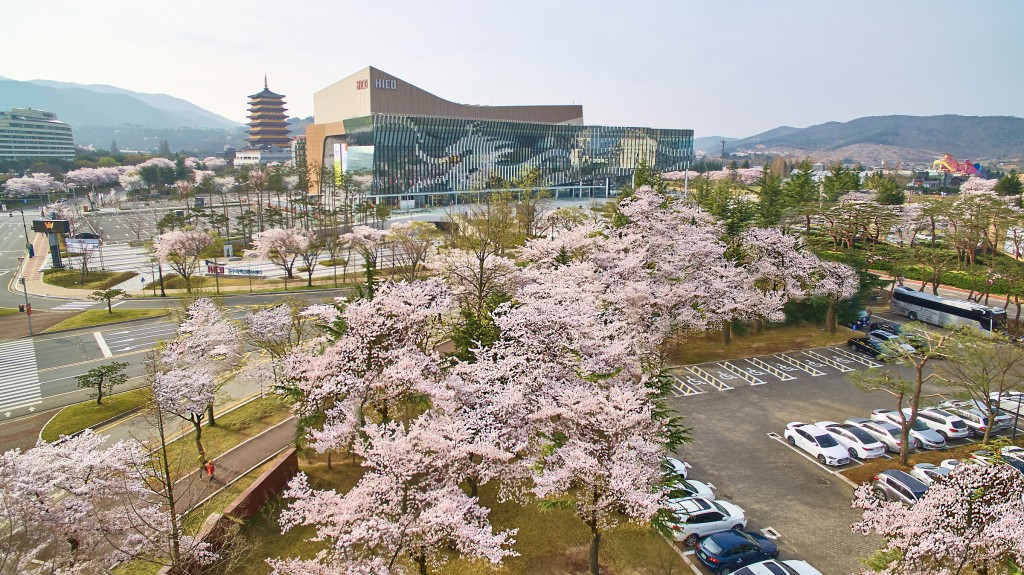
{"points": [[730, 550]]}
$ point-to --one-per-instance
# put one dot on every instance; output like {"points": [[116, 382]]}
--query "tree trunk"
{"points": [[209, 416], [830, 318], [421, 561], [726, 332], [110, 309], [595, 548], [197, 423]]}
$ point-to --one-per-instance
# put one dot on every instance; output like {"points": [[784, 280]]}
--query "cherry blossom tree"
{"points": [[282, 247], [368, 243], [406, 505], [187, 392], [183, 251], [277, 331], [411, 243], [34, 184], [381, 358], [975, 185], [75, 506], [834, 282], [970, 522]]}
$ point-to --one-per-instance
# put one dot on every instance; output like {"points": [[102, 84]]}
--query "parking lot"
{"points": [[738, 411]]}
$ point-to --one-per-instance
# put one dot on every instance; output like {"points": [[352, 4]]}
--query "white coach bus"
{"points": [[942, 311]]}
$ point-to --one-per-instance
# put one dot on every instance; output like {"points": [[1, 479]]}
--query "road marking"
{"points": [[799, 365], [684, 387], [770, 533], [742, 373], [75, 306], [19, 382], [708, 378], [770, 369], [102, 343], [827, 361], [854, 357]]}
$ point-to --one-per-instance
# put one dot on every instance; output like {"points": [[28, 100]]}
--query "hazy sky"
{"points": [[732, 68]]}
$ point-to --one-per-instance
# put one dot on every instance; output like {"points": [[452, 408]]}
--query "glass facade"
{"points": [[415, 156]]}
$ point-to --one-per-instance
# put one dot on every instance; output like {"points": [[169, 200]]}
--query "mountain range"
{"points": [[100, 113]]}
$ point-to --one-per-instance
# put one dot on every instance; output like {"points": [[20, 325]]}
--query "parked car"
{"points": [[673, 468], [858, 443], [775, 567], [883, 431], [929, 473], [946, 424], [818, 442], [919, 431], [893, 328], [976, 420], [683, 488], [728, 550], [866, 345], [1012, 452], [698, 517], [896, 485], [893, 340], [1010, 401], [949, 464]]}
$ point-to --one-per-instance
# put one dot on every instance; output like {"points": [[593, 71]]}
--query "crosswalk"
{"points": [[725, 375], [75, 305], [19, 379]]}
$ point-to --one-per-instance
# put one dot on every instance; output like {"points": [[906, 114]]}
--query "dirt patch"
{"points": [[709, 347], [15, 325], [865, 473]]}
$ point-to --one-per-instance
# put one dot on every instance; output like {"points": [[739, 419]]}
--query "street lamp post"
{"points": [[24, 226]]}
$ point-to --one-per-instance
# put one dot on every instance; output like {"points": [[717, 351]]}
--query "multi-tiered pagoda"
{"points": [[268, 124]]}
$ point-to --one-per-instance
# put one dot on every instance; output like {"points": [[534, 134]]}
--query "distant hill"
{"points": [[99, 114], [196, 116], [904, 138]]}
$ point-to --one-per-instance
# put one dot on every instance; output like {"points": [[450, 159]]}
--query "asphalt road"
{"points": [[731, 417]]}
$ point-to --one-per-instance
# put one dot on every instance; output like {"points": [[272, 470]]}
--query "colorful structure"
{"points": [[268, 124], [949, 164]]}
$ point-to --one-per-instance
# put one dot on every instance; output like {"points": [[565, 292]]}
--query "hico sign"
{"points": [[378, 83]]}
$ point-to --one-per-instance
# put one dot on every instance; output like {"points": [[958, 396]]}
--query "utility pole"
{"points": [[723, 153]]}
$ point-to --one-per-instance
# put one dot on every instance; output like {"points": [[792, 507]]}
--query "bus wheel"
{"points": [[912, 315]]}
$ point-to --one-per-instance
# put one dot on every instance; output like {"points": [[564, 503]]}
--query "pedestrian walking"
{"points": [[210, 469]]}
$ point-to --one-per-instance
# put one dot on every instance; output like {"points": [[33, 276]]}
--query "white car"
{"points": [[976, 419], [1010, 401], [927, 438], [776, 567], [929, 473], [697, 517], [946, 424], [681, 489], [673, 468], [858, 443], [883, 431], [818, 442], [949, 464], [1012, 452]]}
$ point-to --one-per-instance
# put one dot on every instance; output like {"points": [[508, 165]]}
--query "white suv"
{"points": [[944, 423], [697, 517]]}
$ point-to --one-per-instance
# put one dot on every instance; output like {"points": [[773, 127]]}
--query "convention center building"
{"points": [[407, 145]]}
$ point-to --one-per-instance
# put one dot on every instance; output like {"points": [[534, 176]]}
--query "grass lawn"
{"points": [[94, 317], [81, 416], [701, 348], [232, 429], [93, 280], [865, 473], [548, 541], [7, 310]]}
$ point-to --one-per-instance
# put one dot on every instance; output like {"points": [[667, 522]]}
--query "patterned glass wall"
{"points": [[419, 155]]}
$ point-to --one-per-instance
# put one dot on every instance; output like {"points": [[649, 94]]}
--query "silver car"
{"points": [[883, 431], [928, 438], [929, 473]]}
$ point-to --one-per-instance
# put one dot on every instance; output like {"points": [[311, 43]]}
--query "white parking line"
{"points": [[684, 387], [708, 378], [742, 373], [770, 369], [799, 365], [829, 362]]}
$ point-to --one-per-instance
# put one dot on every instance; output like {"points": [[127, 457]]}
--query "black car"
{"points": [[867, 345], [728, 550]]}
